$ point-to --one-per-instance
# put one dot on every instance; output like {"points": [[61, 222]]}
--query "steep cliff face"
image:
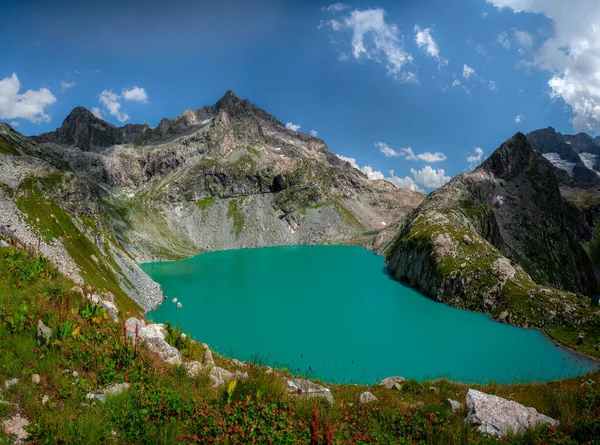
{"points": [[501, 240], [223, 176]]}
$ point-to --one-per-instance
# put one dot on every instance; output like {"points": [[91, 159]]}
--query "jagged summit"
{"points": [[512, 157]]}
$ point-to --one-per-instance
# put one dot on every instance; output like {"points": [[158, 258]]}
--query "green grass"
{"points": [[165, 406], [205, 203], [234, 212]]}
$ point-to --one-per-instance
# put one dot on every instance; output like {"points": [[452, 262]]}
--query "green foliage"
{"points": [[234, 212], [26, 267], [205, 203]]}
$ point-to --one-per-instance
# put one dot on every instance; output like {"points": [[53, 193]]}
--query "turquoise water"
{"points": [[333, 313]]}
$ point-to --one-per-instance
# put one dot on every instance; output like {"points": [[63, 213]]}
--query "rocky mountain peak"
{"points": [[512, 157]]}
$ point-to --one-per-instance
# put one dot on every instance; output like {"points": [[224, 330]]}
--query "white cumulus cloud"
{"points": [[111, 101], [98, 112], [372, 38], [409, 154], [405, 182], [429, 177], [30, 105], [475, 159], [425, 42], [66, 85], [135, 94], [492, 86], [313, 133], [519, 118], [571, 54], [468, 71], [292, 127]]}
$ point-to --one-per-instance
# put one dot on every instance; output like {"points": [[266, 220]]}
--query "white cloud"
{"points": [[409, 154], [66, 85], [292, 127], [519, 118], [371, 38], [571, 54], [367, 169], [456, 83], [313, 133], [468, 71], [429, 177], [30, 105], [523, 38], [14, 123], [98, 112], [475, 159], [386, 150], [492, 86], [484, 14], [136, 94], [336, 7], [111, 101], [503, 39], [425, 41], [405, 182]]}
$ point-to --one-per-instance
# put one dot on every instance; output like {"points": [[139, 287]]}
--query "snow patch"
{"points": [[206, 121], [555, 159], [588, 160]]}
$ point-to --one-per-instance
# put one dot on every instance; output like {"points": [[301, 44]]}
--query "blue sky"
{"points": [[412, 87]]}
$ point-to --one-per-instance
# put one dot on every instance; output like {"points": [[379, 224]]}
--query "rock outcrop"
{"points": [[154, 336], [497, 416], [503, 240], [306, 389]]}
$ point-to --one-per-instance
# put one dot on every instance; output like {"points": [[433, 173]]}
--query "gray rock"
{"points": [[194, 369], [44, 334], [36, 379], [11, 382], [116, 389], [390, 382], [306, 389], [454, 405], [15, 426], [467, 239], [111, 308], [108, 296], [207, 358], [219, 376], [366, 397], [4, 243], [154, 336], [45, 399], [497, 416]]}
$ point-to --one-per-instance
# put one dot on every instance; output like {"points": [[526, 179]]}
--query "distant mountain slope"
{"points": [[224, 176], [578, 155], [503, 240]]}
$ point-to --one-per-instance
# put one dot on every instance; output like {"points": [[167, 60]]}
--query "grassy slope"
{"points": [[164, 406], [50, 221]]}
